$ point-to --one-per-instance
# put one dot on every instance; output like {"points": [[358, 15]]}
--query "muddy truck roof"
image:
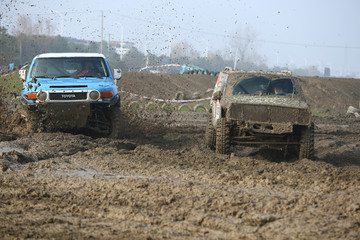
{"points": [[259, 72]]}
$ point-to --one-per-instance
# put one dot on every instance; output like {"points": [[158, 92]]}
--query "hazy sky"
{"points": [[293, 33]]}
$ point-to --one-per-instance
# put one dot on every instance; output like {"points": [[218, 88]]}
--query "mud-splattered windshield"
{"points": [[76, 67], [260, 85], [250, 85]]}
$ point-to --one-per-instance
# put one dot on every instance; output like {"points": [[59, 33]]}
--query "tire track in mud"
{"points": [[166, 206], [257, 192]]}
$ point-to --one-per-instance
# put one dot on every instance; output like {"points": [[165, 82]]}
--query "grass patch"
{"points": [[321, 112], [168, 107], [201, 110], [10, 85], [205, 103], [185, 108], [136, 106], [152, 107]]}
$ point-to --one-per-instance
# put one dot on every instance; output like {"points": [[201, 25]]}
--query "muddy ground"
{"points": [[160, 182]]}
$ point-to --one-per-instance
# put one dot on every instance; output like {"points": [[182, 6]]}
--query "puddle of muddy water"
{"points": [[6, 147]]}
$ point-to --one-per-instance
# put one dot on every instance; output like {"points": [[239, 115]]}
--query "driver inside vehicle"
{"points": [[88, 69], [281, 86], [278, 90]]}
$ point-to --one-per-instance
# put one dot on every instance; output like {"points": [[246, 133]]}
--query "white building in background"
{"points": [[121, 48]]}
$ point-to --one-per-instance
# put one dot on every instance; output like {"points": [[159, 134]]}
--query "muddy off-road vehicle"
{"points": [[72, 90], [260, 109]]}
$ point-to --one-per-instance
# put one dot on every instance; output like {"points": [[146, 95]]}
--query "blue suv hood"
{"points": [[83, 82]]}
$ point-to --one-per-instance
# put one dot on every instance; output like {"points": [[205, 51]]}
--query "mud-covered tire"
{"points": [[117, 123], [306, 149], [210, 134], [179, 95], [222, 136], [200, 106]]}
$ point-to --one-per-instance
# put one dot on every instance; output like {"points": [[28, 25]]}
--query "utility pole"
{"points": [[169, 52], [102, 31], [147, 58], [62, 22], [236, 58], [345, 66], [122, 43], [109, 43], [20, 52], [207, 49], [169, 47]]}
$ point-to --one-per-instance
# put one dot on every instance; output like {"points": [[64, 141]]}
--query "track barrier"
{"points": [[139, 102]]}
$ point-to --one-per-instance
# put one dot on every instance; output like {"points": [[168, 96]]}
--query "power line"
{"points": [[229, 36]]}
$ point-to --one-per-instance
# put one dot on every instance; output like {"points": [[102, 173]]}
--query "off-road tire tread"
{"points": [[210, 135], [222, 136], [306, 149], [117, 121]]}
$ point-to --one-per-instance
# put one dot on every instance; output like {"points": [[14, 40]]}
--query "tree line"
{"points": [[22, 47]]}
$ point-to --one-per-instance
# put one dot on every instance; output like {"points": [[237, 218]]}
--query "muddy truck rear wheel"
{"points": [[306, 149], [222, 136], [210, 137]]}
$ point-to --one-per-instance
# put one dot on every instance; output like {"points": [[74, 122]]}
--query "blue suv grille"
{"points": [[68, 96]]}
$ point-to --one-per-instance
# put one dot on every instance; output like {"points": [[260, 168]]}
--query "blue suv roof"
{"points": [[70, 55]]}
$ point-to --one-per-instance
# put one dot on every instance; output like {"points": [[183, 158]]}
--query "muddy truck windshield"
{"points": [[260, 85], [69, 67]]}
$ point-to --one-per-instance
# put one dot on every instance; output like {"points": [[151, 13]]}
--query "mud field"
{"points": [[160, 182]]}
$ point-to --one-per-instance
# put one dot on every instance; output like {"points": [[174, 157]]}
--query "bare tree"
{"points": [[43, 27], [241, 46], [183, 50], [134, 60], [49, 27], [26, 26]]}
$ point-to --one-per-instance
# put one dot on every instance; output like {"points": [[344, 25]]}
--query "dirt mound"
{"points": [[165, 86], [331, 95]]}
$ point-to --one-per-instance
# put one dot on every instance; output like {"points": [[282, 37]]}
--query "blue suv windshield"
{"points": [[74, 67]]}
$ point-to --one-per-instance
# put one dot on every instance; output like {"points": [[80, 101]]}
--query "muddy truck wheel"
{"points": [[210, 136], [117, 123], [306, 149], [25, 120], [222, 136]]}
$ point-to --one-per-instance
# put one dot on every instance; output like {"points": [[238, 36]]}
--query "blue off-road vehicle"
{"points": [[72, 90]]}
